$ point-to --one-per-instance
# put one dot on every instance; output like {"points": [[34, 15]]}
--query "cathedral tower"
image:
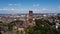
{"points": [[30, 20]]}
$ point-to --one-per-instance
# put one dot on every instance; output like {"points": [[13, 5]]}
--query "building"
{"points": [[30, 20]]}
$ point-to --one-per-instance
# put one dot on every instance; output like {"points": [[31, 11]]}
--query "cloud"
{"points": [[14, 10], [7, 9], [14, 4], [58, 6], [36, 5], [26, 10], [10, 4], [44, 9]]}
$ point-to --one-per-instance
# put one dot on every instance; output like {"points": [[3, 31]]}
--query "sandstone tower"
{"points": [[30, 20]]}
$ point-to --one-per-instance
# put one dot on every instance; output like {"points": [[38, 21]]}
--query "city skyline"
{"points": [[23, 6]]}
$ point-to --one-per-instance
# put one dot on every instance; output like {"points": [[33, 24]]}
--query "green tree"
{"points": [[42, 27], [10, 27]]}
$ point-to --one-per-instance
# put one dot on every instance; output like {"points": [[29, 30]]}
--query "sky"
{"points": [[23, 6]]}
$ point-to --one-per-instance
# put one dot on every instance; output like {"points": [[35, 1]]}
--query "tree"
{"points": [[10, 27], [42, 27]]}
